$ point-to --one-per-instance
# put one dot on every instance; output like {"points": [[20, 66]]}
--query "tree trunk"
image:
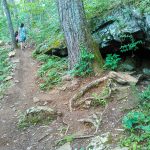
{"points": [[76, 31], [10, 25], [15, 11]]}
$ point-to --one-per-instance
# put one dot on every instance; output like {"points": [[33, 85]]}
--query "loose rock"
{"points": [[38, 115], [35, 100], [8, 78], [65, 147], [12, 54]]}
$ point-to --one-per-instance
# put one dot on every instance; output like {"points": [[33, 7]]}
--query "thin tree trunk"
{"points": [[76, 31], [10, 25], [15, 11]]}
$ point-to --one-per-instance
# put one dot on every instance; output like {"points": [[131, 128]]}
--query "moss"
{"points": [[37, 116]]}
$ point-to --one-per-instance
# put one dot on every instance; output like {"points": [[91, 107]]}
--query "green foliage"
{"points": [[132, 46], [112, 61], [98, 100], [51, 71], [3, 30], [145, 95], [84, 67], [43, 23], [5, 69], [36, 119], [132, 119], [43, 58], [66, 139], [137, 123], [143, 6]]}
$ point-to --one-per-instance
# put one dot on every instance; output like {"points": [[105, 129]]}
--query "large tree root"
{"points": [[121, 78], [83, 90], [95, 119]]}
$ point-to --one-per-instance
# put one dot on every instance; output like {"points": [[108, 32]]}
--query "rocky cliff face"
{"points": [[124, 20]]}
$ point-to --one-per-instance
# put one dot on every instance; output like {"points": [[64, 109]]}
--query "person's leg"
{"points": [[21, 43]]}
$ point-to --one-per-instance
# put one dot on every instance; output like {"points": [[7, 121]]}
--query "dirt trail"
{"points": [[20, 97], [17, 99]]}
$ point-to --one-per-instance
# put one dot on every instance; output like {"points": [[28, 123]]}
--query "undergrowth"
{"points": [[5, 70], [132, 45], [51, 71], [84, 67], [112, 61], [137, 125]]}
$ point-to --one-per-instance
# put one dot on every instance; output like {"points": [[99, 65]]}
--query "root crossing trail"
{"points": [[17, 99], [23, 94]]}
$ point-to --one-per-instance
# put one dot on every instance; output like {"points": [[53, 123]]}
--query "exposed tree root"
{"points": [[121, 78], [76, 137], [95, 120], [108, 86], [83, 90]]}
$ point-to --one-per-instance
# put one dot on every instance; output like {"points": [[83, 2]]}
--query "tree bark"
{"points": [[10, 25], [15, 11], [76, 31]]}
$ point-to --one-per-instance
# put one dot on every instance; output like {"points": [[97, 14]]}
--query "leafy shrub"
{"points": [[5, 69], [51, 71], [132, 46], [145, 95], [138, 125], [132, 119], [43, 58], [112, 61], [66, 139], [84, 67], [98, 101]]}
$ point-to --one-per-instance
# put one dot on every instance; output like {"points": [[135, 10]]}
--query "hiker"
{"points": [[22, 36], [16, 36]]}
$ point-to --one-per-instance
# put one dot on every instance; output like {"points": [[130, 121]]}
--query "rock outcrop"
{"points": [[124, 20]]}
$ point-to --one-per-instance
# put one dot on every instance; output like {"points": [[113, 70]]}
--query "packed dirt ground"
{"points": [[25, 93]]}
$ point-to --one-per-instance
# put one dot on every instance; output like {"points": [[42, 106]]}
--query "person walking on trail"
{"points": [[22, 36]]}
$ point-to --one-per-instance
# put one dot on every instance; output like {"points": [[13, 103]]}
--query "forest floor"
{"points": [[21, 96]]}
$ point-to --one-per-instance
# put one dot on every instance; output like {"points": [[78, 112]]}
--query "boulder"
{"points": [[125, 19], [38, 115], [123, 78], [57, 48], [128, 65]]}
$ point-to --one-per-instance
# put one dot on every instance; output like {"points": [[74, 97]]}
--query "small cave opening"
{"points": [[139, 57]]}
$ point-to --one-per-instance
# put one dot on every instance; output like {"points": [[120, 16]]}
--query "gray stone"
{"points": [[16, 81], [99, 142], [35, 100], [146, 71], [42, 113], [16, 61], [124, 19], [12, 54], [65, 147], [128, 65], [8, 78]]}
